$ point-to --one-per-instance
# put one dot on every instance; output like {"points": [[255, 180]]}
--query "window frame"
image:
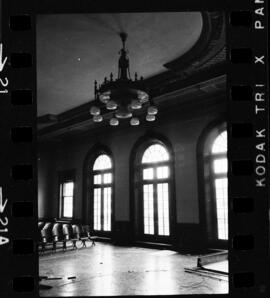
{"points": [[136, 192], [214, 176], [65, 177], [102, 186], [88, 188], [206, 187]]}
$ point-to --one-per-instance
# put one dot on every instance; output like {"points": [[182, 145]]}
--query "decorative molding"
{"points": [[209, 45]]}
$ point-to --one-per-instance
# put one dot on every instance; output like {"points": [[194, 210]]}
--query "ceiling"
{"points": [[74, 50]]}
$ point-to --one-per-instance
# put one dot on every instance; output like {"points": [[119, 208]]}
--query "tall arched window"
{"points": [[220, 183], [102, 184], [155, 175]]}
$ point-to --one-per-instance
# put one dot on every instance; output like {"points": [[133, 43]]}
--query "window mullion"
{"points": [[155, 208]]}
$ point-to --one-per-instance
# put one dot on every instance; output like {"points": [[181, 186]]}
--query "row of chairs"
{"points": [[53, 233]]}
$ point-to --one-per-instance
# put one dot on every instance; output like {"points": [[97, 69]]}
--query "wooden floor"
{"points": [[108, 270]]}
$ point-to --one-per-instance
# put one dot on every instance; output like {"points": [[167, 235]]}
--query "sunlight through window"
{"points": [[155, 193], [220, 169], [102, 193]]}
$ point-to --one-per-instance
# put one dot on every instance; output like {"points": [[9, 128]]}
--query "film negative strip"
{"points": [[217, 211]]}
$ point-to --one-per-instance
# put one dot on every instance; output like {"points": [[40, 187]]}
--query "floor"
{"points": [[219, 266], [108, 270]]}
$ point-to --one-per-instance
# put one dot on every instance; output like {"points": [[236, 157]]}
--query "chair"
{"points": [[80, 234], [69, 235], [46, 235], [58, 236], [87, 231]]}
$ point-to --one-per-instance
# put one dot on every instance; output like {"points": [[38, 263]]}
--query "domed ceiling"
{"points": [[75, 50]]}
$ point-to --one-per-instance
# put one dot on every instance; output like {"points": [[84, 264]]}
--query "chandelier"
{"points": [[123, 96]]}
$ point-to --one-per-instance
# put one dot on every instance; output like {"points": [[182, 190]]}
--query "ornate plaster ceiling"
{"points": [[76, 49]]}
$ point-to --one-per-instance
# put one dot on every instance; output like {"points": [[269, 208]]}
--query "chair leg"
{"points": [[54, 246], [64, 245], [83, 242], [43, 247], [74, 244]]}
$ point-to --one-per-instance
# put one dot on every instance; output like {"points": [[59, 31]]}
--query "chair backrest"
{"points": [[77, 230], [68, 231], [39, 235], [41, 225], [47, 225], [86, 229], [46, 233], [57, 231]]}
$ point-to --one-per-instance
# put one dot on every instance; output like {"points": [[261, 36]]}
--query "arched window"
{"points": [[102, 184], [220, 183], [155, 175]]}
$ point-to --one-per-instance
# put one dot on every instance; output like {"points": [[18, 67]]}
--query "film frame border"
{"points": [[249, 263]]}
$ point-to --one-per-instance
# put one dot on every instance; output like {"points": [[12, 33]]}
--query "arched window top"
{"points": [[155, 153], [220, 143], [102, 162]]}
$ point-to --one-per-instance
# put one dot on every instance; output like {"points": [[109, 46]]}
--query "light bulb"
{"points": [[111, 105], [94, 111], [134, 121], [135, 104], [152, 110], [114, 121], [150, 117], [97, 118]]}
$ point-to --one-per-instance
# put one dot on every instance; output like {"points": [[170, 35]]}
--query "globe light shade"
{"points": [[134, 121], [135, 104], [114, 121], [111, 105], [94, 111], [105, 97], [143, 96], [152, 110], [123, 113], [150, 117], [97, 118]]}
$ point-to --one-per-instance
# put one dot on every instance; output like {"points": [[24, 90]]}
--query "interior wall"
{"points": [[46, 175], [182, 132]]}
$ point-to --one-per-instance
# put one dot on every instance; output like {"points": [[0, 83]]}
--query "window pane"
{"points": [[67, 206], [107, 178], [163, 208], [162, 172], [221, 187], [220, 165], [102, 162], [68, 188], [220, 143], [107, 208], [155, 153], [148, 205], [97, 179], [97, 209], [148, 174]]}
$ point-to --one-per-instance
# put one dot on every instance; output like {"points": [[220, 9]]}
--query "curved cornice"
{"points": [[208, 52], [209, 44]]}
